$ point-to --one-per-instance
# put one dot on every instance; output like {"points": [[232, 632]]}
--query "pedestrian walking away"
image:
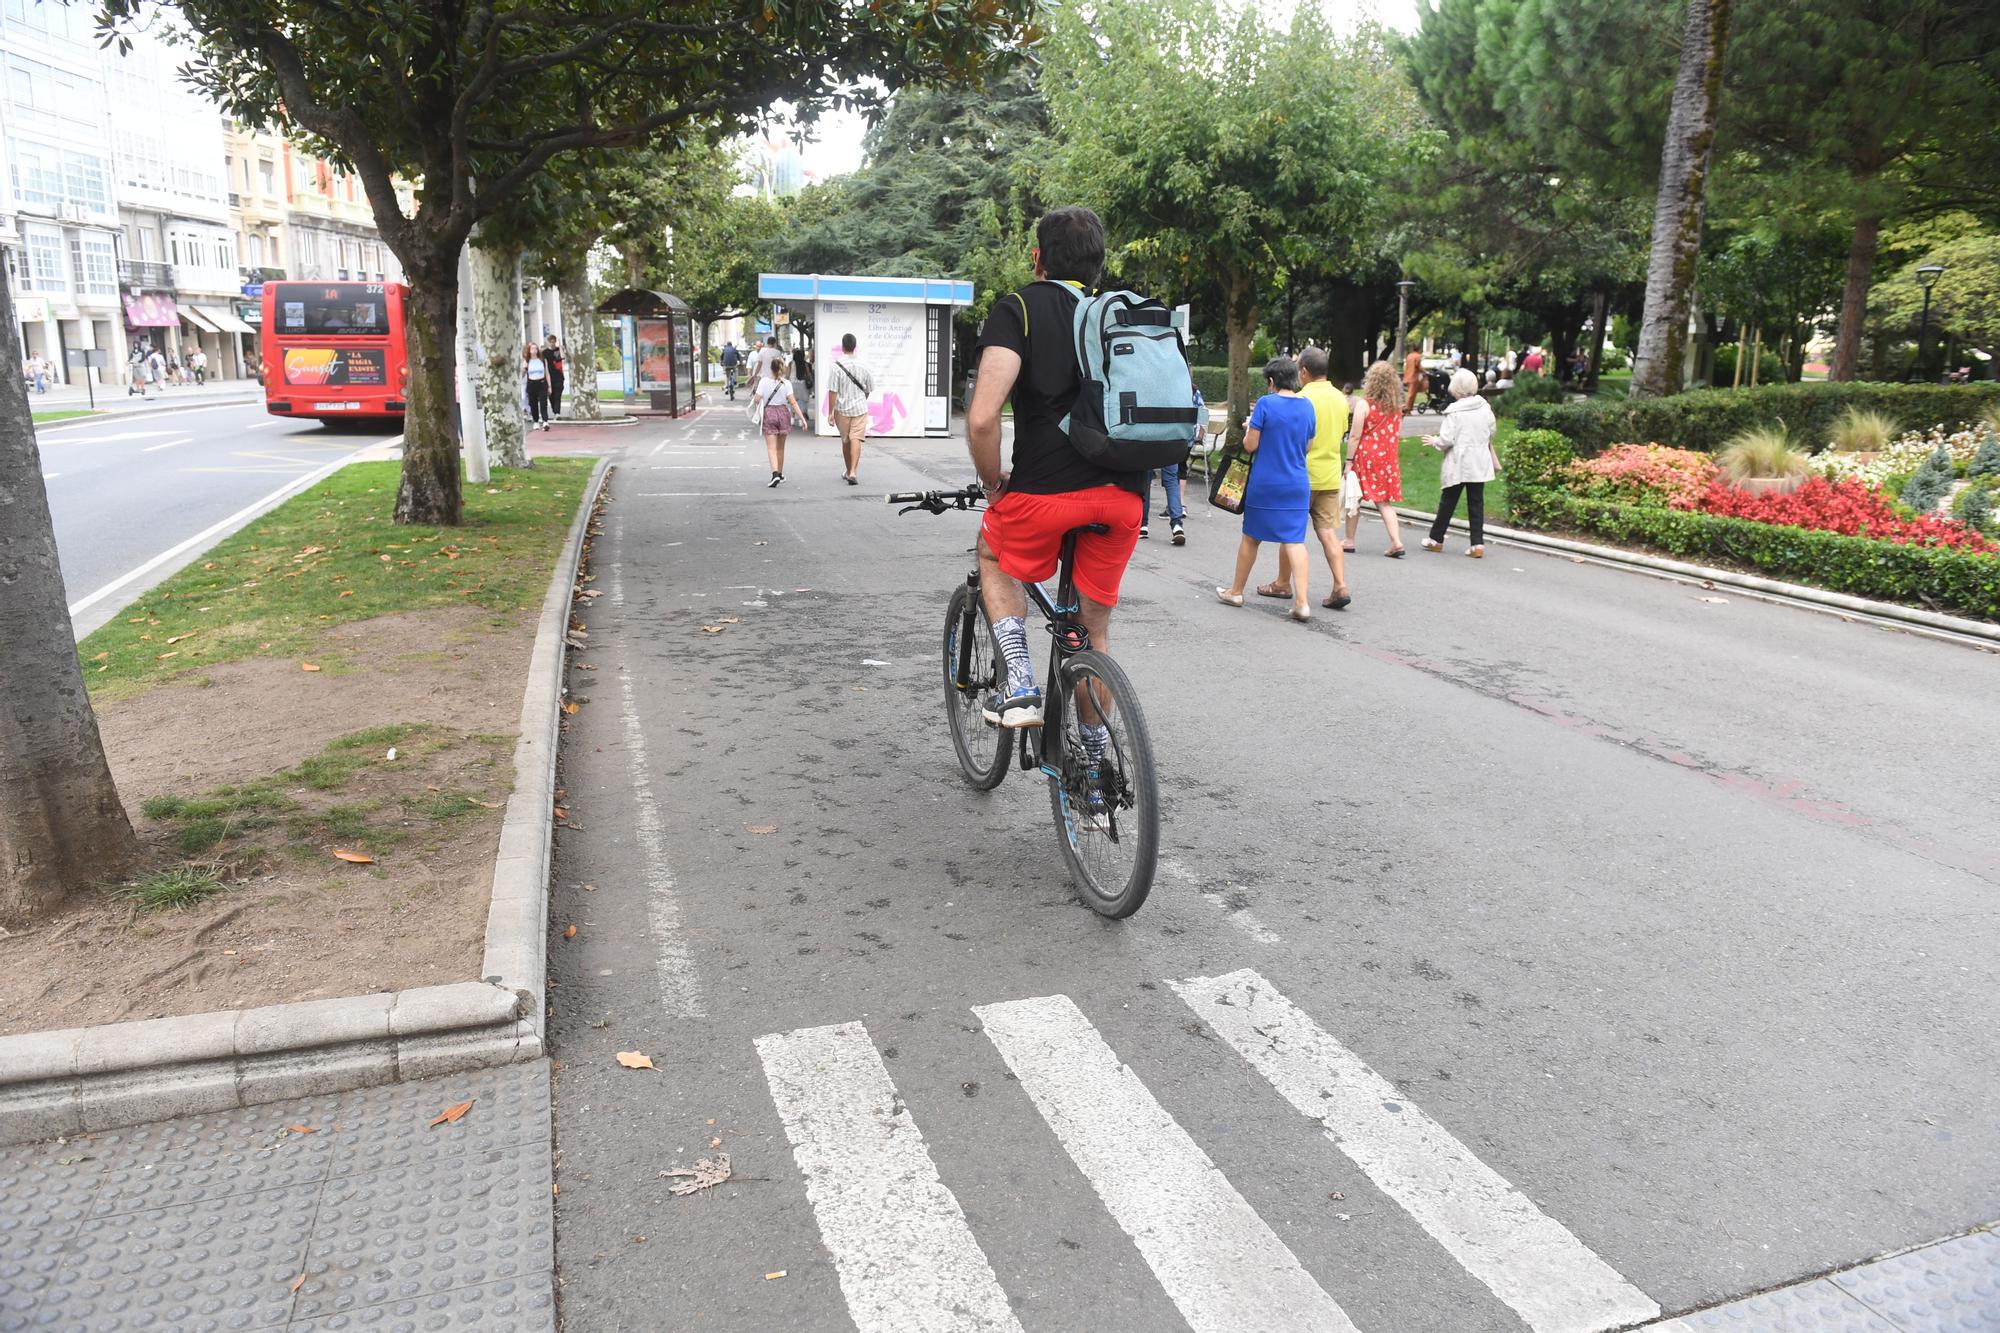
{"points": [[1323, 474], [1027, 352], [853, 385], [1277, 501], [1413, 379], [1377, 431], [1170, 480], [1470, 461], [552, 357], [776, 405], [156, 369], [760, 365], [732, 360], [537, 371]]}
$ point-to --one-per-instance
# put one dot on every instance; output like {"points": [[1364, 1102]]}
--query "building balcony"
{"points": [[145, 275]]}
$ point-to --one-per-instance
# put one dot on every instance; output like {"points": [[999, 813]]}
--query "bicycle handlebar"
{"points": [[936, 502]]}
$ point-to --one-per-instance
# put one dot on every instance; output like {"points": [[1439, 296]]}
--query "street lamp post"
{"points": [[1928, 276], [1402, 317]]}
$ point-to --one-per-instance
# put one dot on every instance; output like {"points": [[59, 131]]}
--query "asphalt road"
{"points": [[1536, 944], [126, 489]]}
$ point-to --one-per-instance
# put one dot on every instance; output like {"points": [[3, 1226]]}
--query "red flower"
{"points": [[1850, 506]]}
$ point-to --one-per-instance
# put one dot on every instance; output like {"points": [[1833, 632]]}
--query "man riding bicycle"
{"points": [[1027, 350]]}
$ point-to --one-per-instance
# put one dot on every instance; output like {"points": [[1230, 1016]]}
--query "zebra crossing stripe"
{"points": [[907, 1261], [1218, 1261], [1526, 1258]]}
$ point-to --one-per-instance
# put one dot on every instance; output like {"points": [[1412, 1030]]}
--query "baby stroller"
{"points": [[1437, 389]]}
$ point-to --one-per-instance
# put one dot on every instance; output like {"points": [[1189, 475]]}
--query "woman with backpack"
{"points": [[538, 387]]}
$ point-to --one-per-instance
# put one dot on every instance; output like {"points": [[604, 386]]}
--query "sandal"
{"points": [[1433, 546], [1347, 547], [1273, 590], [1396, 554], [1337, 601], [1300, 614], [1228, 598]]}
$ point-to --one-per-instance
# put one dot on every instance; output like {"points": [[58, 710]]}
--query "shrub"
{"points": [[1975, 505], [1861, 566], [1862, 430], [1643, 474], [1986, 462], [1705, 421], [1850, 507], [1528, 389], [1213, 381], [1770, 370], [1534, 457], [1761, 451], [1613, 360], [1929, 483]]}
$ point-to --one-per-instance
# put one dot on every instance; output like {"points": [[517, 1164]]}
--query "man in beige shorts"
{"points": [[1323, 475], [852, 385]]}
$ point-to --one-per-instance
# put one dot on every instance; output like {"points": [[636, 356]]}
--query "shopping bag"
{"points": [[1229, 482]]}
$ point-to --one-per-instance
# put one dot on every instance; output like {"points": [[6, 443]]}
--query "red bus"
{"points": [[334, 350]]}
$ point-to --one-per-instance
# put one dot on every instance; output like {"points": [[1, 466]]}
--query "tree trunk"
{"points": [[430, 492], [496, 302], [579, 337], [1599, 315], [62, 827], [1684, 163], [1854, 298], [1241, 320]]}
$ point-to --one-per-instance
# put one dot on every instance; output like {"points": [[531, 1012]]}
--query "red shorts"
{"points": [[1025, 534]]}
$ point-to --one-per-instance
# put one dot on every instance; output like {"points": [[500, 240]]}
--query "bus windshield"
{"points": [[339, 308]]}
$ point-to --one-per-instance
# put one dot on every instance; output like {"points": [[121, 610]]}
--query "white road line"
{"points": [[215, 530], [696, 467], [908, 1263], [116, 437], [1224, 1268], [668, 495], [1529, 1260], [154, 448], [1242, 918], [680, 989]]}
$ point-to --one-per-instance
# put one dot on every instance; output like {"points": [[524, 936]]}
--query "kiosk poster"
{"points": [[889, 340], [656, 353]]}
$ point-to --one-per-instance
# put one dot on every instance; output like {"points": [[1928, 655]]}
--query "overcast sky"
{"points": [[836, 145]]}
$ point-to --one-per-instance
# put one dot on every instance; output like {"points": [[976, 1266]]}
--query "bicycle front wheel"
{"points": [[1106, 797], [971, 672]]}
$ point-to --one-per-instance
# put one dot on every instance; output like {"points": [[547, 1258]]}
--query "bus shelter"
{"points": [[902, 332], [659, 347]]}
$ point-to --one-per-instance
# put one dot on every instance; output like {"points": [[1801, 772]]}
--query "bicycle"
{"points": [[1106, 808]]}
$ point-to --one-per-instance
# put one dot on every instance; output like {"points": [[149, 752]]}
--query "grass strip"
{"points": [[65, 413], [331, 555]]}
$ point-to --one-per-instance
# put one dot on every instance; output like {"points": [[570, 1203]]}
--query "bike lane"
{"points": [[939, 1080]]}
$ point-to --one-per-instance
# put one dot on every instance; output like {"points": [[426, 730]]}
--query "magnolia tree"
{"points": [[1222, 150], [474, 100]]}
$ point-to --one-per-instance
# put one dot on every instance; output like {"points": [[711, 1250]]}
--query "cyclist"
{"points": [[731, 359], [1027, 350]]}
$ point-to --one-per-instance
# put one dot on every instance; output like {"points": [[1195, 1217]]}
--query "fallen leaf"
{"points": [[72, 1161], [298, 1282], [634, 1060], [355, 858], [760, 828], [708, 1172], [349, 592], [300, 1129], [307, 666], [164, 656], [715, 1143], [570, 706], [773, 1277], [178, 637], [100, 657], [388, 557], [569, 933], [562, 812], [1336, 1196], [711, 629], [451, 1115], [732, 620], [487, 805]]}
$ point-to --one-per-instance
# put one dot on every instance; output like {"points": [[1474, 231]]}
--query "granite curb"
{"points": [[80, 1080], [1935, 624]]}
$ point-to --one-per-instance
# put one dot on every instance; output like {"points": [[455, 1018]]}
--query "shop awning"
{"points": [[150, 311], [194, 316], [224, 320]]}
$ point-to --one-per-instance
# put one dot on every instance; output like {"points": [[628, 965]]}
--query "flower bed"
{"points": [[1643, 474], [1849, 506], [1903, 456]]}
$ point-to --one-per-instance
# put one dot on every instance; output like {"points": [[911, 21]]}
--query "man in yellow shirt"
{"points": [[1323, 473]]}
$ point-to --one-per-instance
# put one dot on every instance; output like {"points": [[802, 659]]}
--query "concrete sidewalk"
{"points": [[341, 1212], [113, 398]]}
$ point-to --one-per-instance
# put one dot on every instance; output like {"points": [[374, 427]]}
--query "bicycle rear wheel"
{"points": [[1107, 810], [971, 672]]}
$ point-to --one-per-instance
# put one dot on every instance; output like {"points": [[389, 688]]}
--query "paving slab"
{"points": [[336, 1212]]}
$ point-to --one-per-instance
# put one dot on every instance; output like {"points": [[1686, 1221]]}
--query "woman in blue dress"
{"points": [[1278, 497]]}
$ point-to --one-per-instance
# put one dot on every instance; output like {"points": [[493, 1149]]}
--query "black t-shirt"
{"points": [[553, 359], [1045, 462]]}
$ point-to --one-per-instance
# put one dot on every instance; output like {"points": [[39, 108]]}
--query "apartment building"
{"points": [[59, 224]]}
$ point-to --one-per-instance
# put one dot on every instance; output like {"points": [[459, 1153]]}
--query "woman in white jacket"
{"points": [[1470, 461]]}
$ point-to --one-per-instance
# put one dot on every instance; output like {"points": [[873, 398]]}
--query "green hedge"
{"points": [[1859, 566], [1213, 381], [1770, 370], [1706, 418]]}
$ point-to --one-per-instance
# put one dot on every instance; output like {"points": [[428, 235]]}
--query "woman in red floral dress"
{"points": [[1377, 426]]}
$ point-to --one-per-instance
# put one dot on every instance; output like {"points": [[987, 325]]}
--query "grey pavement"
{"points": [[126, 488], [331, 1213], [1660, 920]]}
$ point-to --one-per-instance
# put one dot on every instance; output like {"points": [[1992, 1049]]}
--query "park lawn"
{"points": [[330, 556], [1614, 384], [64, 414], [1420, 465]]}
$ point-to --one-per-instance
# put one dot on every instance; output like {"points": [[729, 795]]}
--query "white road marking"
{"points": [[1242, 918], [154, 448], [908, 1263], [697, 467], [1223, 1267], [116, 437], [680, 990], [668, 495], [215, 530], [1529, 1260]]}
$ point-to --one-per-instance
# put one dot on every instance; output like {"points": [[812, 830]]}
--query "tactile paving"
{"points": [[514, 1305], [1952, 1287]]}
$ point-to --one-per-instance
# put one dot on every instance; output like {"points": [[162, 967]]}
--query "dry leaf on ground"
{"points": [[307, 666], [451, 1115], [707, 1173], [300, 1129], [760, 828], [298, 1282], [357, 858], [634, 1060], [711, 629], [486, 805], [773, 1277], [570, 706], [570, 933], [562, 812]]}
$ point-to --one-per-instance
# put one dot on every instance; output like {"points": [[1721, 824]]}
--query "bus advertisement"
{"points": [[334, 349]]}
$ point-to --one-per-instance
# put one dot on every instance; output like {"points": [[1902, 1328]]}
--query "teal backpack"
{"points": [[1135, 411]]}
